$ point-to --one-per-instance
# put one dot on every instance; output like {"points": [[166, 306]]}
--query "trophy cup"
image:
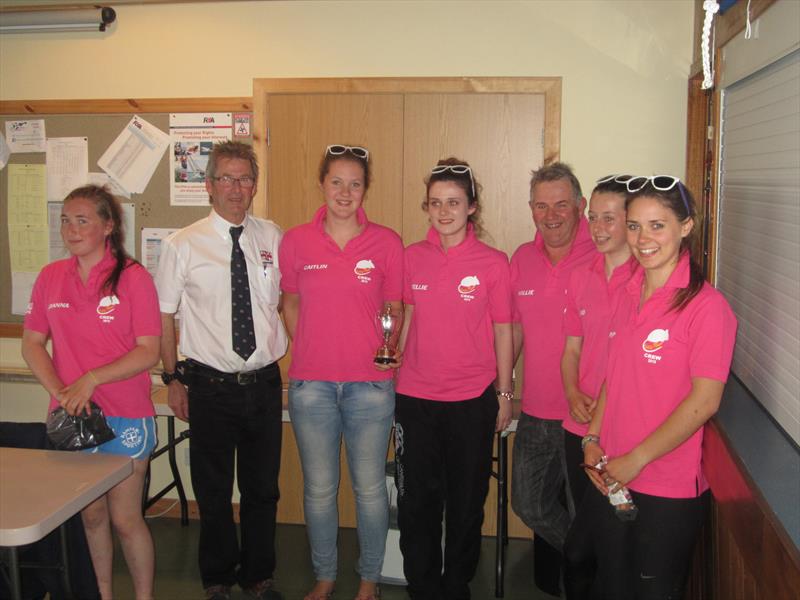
{"points": [[388, 323]]}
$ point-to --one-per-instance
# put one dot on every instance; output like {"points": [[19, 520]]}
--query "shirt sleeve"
{"points": [[144, 300], [286, 261], [408, 296], [36, 314], [500, 292], [170, 277], [712, 335], [572, 321], [393, 283], [516, 317]]}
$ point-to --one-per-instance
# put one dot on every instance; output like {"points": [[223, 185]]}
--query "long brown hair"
{"points": [[107, 207]]}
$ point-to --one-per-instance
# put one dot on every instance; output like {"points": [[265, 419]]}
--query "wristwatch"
{"points": [[167, 378]]}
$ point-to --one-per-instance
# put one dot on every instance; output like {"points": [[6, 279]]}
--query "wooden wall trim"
{"points": [[124, 106], [743, 514], [10, 330]]}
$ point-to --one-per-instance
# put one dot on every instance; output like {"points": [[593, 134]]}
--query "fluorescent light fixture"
{"points": [[56, 21]]}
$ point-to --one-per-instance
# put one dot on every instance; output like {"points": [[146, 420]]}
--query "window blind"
{"points": [[758, 234]]}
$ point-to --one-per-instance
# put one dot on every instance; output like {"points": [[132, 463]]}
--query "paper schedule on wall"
{"points": [[132, 158]]}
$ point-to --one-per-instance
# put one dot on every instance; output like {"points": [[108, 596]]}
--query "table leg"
{"points": [[501, 536], [14, 577], [176, 475], [65, 578]]}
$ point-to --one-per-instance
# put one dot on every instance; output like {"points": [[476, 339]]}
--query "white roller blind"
{"points": [[758, 263]]}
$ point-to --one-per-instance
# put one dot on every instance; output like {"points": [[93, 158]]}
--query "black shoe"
{"points": [[263, 590], [218, 592]]}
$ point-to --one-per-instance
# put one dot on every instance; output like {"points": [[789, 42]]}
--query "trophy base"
{"points": [[384, 360]]}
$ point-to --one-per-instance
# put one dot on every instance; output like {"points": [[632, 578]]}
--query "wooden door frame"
{"points": [[549, 87]]}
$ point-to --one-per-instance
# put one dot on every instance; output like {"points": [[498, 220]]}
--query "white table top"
{"points": [[40, 489]]}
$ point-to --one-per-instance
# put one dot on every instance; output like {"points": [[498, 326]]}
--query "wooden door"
{"points": [[500, 135], [300, 129]]}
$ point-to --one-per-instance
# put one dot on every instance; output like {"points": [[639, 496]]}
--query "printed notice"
{"points": [[26, 136], [67, 165], [132, 158], [151, 247], [193, 135], [27, 217]]}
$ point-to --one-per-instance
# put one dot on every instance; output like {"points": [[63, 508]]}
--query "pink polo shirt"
{"points": [[341, 294], [90, 329], [590, 301], [653, 355], [457, 296], [539, 295]]}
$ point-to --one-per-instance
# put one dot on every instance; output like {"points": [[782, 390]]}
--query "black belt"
{"points": [[239, 378]]}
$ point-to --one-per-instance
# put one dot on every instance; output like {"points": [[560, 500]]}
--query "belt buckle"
{"points": [[245, 377]]}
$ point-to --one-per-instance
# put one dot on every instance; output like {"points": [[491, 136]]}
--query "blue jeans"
{"points": [[362, 411]]}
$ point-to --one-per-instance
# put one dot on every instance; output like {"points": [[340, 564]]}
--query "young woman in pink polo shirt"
{"points": [[590, 299], [338, 272], [671, 342], [454, 387], [100, 310]]}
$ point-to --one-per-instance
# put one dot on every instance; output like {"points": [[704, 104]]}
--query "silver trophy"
{"points": [[388, 326]]}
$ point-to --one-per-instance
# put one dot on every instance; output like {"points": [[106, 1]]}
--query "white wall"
{"points": [[624, 63]]}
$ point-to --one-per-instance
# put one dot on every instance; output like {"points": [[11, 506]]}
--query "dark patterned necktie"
{"points": [[244, 337]]}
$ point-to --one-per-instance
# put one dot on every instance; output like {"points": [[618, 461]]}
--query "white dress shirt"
{"points": [[194, 280]]}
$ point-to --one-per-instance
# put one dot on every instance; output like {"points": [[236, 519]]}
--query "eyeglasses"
{"points": [[615, 179], [662, 183], [246, 181], [458, 170], [357, 151]]}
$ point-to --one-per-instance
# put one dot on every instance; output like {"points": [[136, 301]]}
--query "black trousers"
{"points": [[241, 425], [580, 562], [444, 459], [648, 558]]}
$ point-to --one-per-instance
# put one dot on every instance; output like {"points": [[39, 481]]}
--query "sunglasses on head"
{"points": [[662, 183], [615, 179], [458, 170], [357, 151]]}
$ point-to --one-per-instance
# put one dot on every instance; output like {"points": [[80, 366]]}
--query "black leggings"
{"points": [[648, 558]]}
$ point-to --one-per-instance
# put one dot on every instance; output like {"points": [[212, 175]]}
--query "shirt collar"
{"points": [[679, 278], [469, 240], [318, 219], [582, 237], [100, 269], [223, 226]]}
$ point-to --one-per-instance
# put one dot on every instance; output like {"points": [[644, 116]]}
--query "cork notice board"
{"points": [[101, 121]]}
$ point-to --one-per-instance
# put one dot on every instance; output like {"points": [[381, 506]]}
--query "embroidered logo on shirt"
{"points": [[525, 293], [419, 287], [653, 343], [266, 257], [315, 267], [106, 306], [52, 305], [467, 286], [362, 270]]}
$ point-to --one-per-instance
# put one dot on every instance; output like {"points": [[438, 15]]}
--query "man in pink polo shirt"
{"points": [[540, 271]]}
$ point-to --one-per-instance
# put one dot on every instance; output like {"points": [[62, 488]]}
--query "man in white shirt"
{"points": [[221, 274]]}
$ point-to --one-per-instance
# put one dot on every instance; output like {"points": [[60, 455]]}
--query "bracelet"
{"points": [[91, 374], [588, 439], [507, 395]]}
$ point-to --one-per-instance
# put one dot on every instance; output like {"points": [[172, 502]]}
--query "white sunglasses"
{"points": [[458, 170], [337, 149], [615, 178], [662, 183]]}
